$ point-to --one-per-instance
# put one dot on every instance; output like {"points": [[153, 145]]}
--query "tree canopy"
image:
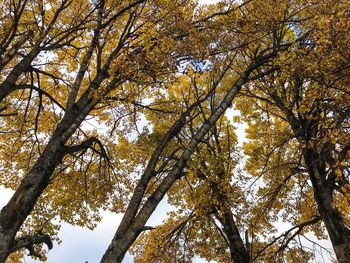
{"points": [[112, 105]]}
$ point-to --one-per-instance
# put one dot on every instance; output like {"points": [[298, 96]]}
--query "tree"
{"points": [[256, 50], [214, 209], [115, 62], [304, 109], [107, 48]]}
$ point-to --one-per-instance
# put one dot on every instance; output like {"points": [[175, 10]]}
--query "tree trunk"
{"points": [[238, 251], [9, 84], [323, 190], [323, 193], [122, 240], [33, 184]]}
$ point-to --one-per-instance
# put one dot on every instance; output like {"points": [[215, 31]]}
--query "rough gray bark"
{"points": [[338, 232], [33, 184], [238, 251], [9, 84]]}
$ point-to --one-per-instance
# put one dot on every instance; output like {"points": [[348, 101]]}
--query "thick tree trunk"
{"points": [[337, 230], [323, 188], [125, 236], [33, 184], [22, 202]]}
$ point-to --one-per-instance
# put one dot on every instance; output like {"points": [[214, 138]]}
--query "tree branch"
{"points": [[29, 243]]}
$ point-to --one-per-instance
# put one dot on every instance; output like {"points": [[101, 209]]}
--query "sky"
{"points": [[82, 245]]}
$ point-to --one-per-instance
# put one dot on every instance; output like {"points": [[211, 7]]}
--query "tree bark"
{"points": [[323, 193], [323, 188], [238, 251], [33, 184], [9, 84]]}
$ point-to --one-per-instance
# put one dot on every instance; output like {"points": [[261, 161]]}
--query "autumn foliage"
{"points": [[113, 105]]}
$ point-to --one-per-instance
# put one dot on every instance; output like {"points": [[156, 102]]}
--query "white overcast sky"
{"points": [[81, 244]]}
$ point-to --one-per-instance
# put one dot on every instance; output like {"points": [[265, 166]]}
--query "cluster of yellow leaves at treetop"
{"points": [[148, 52], [331, 20], [249, 24]]}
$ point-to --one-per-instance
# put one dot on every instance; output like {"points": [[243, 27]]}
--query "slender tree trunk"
{"points": [[9, 84], [336, 228], [122, 240], [238, 251]]}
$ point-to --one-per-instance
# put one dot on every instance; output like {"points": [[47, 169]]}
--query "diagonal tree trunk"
{"points": [[9, 84], [22, 202], [126, 235]]}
